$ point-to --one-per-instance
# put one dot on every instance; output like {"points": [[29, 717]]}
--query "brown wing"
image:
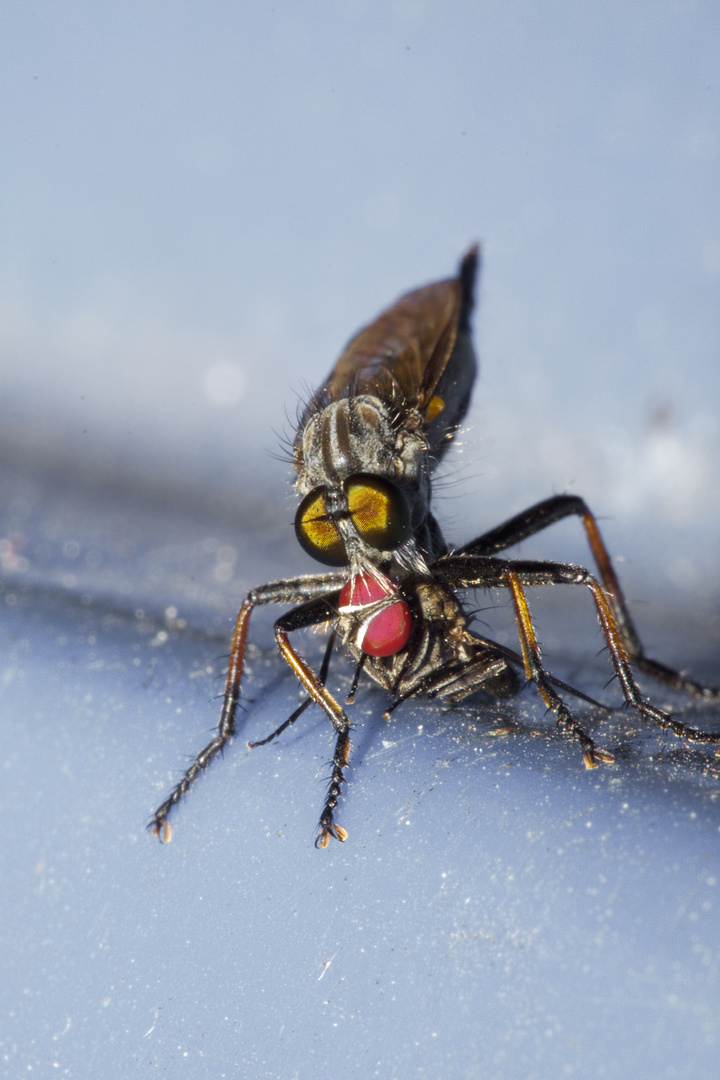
{"points": [[416, 355], [406, 349]]}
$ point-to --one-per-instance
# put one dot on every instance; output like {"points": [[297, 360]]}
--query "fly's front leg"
{"points": [[295, 620], [546, 513], [327, 826], [287, 591], [324, 668], [226, 728]]}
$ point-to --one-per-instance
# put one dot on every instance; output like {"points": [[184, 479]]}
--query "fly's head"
{"points": [[366, 488], [364, 477]]}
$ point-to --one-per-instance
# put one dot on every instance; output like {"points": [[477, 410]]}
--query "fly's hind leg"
{"points": [[518, 574], [487, 572], [546, 513], [592, 754]]}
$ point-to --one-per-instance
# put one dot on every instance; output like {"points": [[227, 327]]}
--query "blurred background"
{"points": [[201, 204]]}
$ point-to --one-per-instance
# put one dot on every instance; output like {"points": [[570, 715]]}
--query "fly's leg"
{"points": [[463, 571], [283, 727], [226, 728], [534, 670], [324, 667], [546, 513], [295, 620], [526, 574], [616, 645], [356, 679], [288, 591], [327, 826]]}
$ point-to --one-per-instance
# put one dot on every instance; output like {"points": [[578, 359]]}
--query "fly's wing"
{"points": [[447, 402], [405, 349], [417, 355]]}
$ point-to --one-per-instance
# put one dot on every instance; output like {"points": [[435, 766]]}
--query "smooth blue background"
{"points": [[198, 206], [496, 911]]}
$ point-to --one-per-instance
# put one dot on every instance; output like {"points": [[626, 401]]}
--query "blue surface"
{"points": [[496, 911]]}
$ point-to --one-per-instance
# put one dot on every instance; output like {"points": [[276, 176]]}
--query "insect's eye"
{"points": [[379, 511], [316, 530]]}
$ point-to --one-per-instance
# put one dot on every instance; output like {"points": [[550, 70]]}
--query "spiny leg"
{"points": [[287, 591], [534, 670], [327, 826], [324, 667], [484, 571], [548, 512], [226, 728], [521, 573]]}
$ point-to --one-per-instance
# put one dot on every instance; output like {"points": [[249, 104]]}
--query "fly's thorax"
{"points": [[439, 605], [359, 435]]}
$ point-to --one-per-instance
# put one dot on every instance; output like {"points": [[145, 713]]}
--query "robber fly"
{"points": [[365, 451]]}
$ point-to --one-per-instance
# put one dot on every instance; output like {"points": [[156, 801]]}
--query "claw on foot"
{"points": [[592, 758], [326, 831], [163, 831]]}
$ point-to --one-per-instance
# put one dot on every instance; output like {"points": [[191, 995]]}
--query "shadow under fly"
{"points": [[364, 454]]}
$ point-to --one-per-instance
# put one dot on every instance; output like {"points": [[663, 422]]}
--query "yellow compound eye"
{"points": [[379, 511], [316, 531]]}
